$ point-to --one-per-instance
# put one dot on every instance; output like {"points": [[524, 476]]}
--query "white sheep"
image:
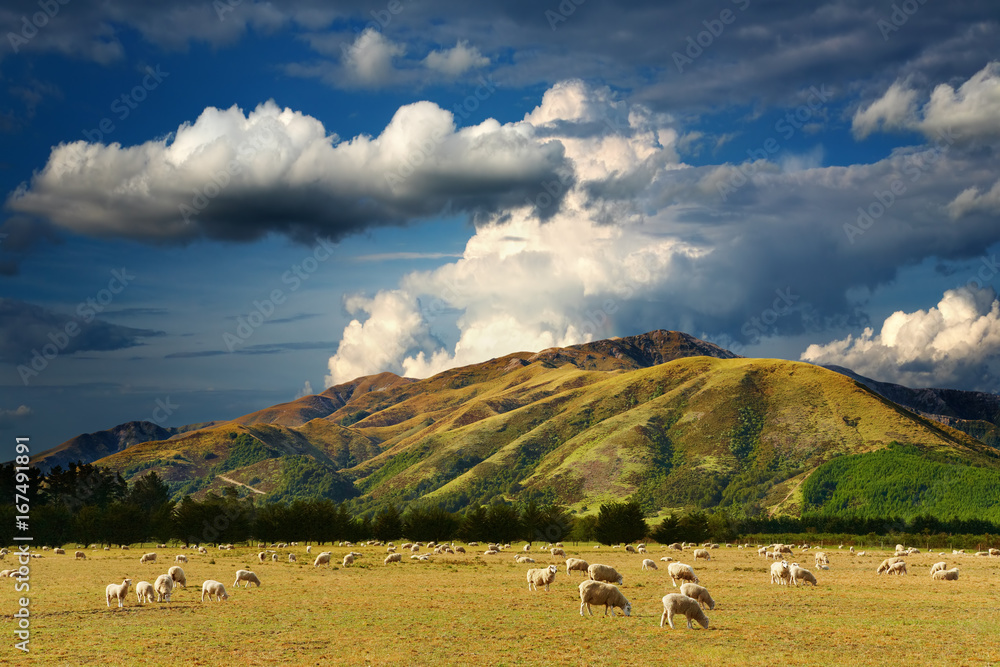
{"points": [[117, 591], [821, 558], [291, 558], [780, 573], [164, 586], [946, 575], [148, 558], [898, 567], [699, 593], [212, 587], [460, 550], [247, 576], [58, 551], [937, 567], [80, 555], [322, 559], [144, 592], [597, 592], [309, 549], [576, 564], [648, 564], [599, 572], [557, 552], [797, 572], [681, 572], [884, 565], [518, 558], [675, 603], [667, 559], [274, 558], [180, 558], [177, 574], [348, 559], [393, 558], [629, 548], [544, 577], [702, 554], [261, 556]]}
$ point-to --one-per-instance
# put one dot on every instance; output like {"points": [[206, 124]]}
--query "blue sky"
{"points": [[410, 186]]}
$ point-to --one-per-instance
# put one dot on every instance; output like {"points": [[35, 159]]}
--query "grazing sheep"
{"points": [[59, 551], [995, 552], [702, 554], [937, 567], [309, 549], [797, 572], [291, 558], [556, 551], [247, 576], [780, 573], [576, 564], [144, 592], [177, 574], [597, 592], [629, 548], [861, 553], [261, 556], [393, 558], [648, 564], [348, 559], [460, 550], [675, 546], [322, 559], [822, 558], [897, 568], [762, 551], [80, 555], [164, 586], [148, 558], [274, 558], [202, 550], [699, 593], [117, 591], [681, 572], [667, 559], [543, 577], [946, 575], [180, 558], [212, 587], [523, 559], [675, 603], [884, 565], [599, 572]]}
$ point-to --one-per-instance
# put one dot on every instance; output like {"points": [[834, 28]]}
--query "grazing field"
{"points": [[474, 608]]}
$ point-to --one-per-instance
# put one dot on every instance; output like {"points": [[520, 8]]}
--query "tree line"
{"points": [[87, 504]]}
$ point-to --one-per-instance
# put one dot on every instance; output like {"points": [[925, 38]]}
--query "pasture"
{"points": [[472, 608]]}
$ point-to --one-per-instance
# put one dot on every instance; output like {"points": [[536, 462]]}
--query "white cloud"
{"points": [[956, 343], [368, 61], [894, 110], [972, 199], [456, 60], [9, 418], [306, 390]]}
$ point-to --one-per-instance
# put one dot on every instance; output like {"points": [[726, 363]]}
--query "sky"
{"points": [[212, 207]]}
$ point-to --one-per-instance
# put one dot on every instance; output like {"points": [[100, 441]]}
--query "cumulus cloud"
{"points": [[954, 344], [972, 199], [237, 176], [969, 111], [368, 61], [456, 60]]}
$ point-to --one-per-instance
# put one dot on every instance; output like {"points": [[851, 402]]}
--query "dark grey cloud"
{"points": [[262, 348]]}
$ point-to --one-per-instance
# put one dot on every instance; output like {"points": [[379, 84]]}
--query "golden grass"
{"points": [[475, 608]]}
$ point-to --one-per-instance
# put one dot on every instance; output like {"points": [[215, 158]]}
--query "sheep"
{"points": [[393, 558], [212, 587], [576, 564], [59, 551], [348, 559], [648, 564], [681, 572], [861, 553], [274, 558], [148, 558], [675, 546], [202, 550], [884, 565], [80, 555], [544, 577], [667, 559], [641, 549], [460, 550], [629, 548], [699, 593], [291, 558], [994, 552], [597, 592], [798, 572], [177, 574], [164, 586], [898, 567], [702, 554], [261, 556], [523, 559], [946, 575], [117, 591], [675, 603], [762, 551], [180, 558], [144, 592], [322, 559], [557, 552], [937, 567], [309, 549], [780, 573], [821, 558], [247, 576], [599, 572]]}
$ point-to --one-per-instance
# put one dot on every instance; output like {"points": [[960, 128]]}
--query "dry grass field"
{"points": [[476, 609]]}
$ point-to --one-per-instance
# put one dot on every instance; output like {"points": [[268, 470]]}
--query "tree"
{"points": [[667, 532], [431, 524], [388, 524], [693, 527], [620, 522]]}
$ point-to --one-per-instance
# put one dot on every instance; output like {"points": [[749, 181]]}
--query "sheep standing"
{"points": [[180, 558], [821, 558], [291, 558], [699, 593], [348, 559], [164, 586], [393, 558], [946, 575], [247, 576], [261, 556], [117, 591], [648, 564], [597, 592], [212, 587], [675, 603], [148, 558], [606, 573], [59, 551], [322, 559], [937, 567], [177, 574], [629, 548], [144, 592], [556, 551], [542, 577], [80, 555], [797, 572], [780, 573], [576, 564], [309, 549], [681, 572], [898, 567], [702, 554]]}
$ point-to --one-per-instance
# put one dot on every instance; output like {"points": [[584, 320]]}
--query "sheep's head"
{"points": [[627, 609], [620, 580], [702, 620]]}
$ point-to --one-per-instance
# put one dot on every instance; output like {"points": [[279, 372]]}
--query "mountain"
{"points": [[670, 420]]}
